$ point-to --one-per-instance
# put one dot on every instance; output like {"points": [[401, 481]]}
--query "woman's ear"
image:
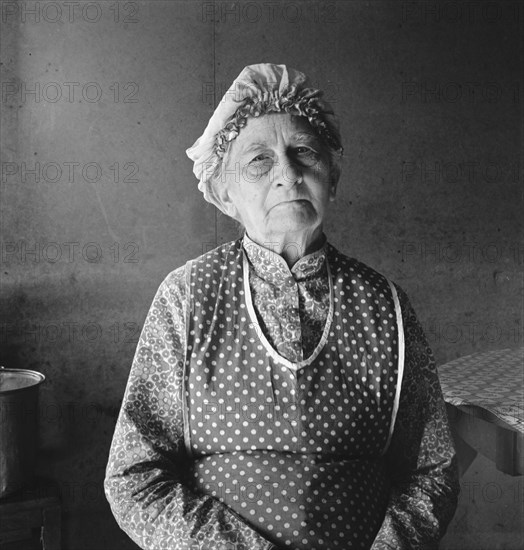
{"points": [[335, 176], [332, 192], [224, 198]]}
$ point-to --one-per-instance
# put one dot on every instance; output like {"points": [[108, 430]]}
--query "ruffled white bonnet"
{"points": [[265, 83]]}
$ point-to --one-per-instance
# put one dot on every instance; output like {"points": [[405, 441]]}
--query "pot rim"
{"points": [[38, 378]]}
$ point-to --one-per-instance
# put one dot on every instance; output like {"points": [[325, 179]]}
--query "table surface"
{"points": [[489, 385]]}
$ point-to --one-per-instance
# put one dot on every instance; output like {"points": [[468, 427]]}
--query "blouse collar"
{"points": [[273, 268]]}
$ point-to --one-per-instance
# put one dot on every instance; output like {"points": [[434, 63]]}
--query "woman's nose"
{"points": [[289, 172]]}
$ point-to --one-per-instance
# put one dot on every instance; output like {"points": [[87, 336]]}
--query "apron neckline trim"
{"points": [[294, 366]]}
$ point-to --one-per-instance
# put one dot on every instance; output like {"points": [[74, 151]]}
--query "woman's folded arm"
{"points": [[148, 482], [421, 458]]}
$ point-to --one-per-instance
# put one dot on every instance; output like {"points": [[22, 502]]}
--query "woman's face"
{"points": [[277, 178]]}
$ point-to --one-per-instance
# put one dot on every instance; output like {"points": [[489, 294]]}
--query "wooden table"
{"points": [[484, 395], [31, 518]]}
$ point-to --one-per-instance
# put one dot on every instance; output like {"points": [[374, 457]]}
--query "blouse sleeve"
{"points": [[146, 477], [421, 458]]}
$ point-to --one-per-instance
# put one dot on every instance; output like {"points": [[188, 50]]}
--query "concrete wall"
{"points": [[429, 95]]}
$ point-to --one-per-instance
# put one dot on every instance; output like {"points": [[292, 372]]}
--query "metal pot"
{"points": [[18, 427]]}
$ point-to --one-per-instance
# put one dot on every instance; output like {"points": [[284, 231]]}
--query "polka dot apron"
{"points": [[296, 449]]}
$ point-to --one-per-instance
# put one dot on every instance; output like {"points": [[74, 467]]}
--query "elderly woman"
{"points": [[282, 394]]}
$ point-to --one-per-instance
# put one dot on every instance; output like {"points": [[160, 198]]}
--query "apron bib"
{"points": [[296, 449]]}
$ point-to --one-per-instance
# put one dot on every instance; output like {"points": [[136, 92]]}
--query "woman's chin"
{"points": [[294, 213], [294, 224]]}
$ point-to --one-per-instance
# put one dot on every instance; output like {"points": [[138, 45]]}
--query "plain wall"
{"points": [[429, 97]]}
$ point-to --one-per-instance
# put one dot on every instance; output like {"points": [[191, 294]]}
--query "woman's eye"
{"points": [[306, 153], [306, 156], [258, 166]]}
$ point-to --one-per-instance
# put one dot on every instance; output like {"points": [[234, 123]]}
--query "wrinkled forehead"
{"points": [[271, 131]]}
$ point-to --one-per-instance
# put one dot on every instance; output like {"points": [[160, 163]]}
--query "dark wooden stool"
{"points": [[31, 518]]}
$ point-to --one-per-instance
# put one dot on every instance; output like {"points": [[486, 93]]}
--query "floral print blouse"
{"points": [[147, 482]]}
